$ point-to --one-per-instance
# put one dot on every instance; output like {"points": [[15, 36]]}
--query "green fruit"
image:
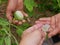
{"points": [[18, 15]]}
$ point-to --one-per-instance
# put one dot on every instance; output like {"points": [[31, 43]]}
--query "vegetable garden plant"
{"points": [[7, 37]]}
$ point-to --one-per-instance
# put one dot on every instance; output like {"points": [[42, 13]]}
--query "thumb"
{"points": [[52, 33], [9, 16], [31, 29]]}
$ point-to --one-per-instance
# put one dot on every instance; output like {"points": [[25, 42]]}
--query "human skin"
{"points": [[33, 36], [12, 6], [54, 29], [54, 23]]}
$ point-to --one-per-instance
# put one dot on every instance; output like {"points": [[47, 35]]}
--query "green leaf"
{"points": [[24, 26], [58, 2], [0, 1], [8, 40], [1, 41], [3, 1], [19, 32], [29, 4], [14, 44], [2, 32], [3, 22]]}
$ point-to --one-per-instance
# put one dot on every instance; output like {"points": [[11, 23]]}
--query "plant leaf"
{"points": [[3, 22], [1, 41], [58, 2], [19, 32], [29, 4], [8, 40]]}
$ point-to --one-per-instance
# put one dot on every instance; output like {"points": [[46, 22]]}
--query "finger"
{"points": [[10, 9], [15, 21], [20, 5], [36, 22], [42, 38], [20, 22], [50, 30], [53, 23], [43, 20], [41, 41], [23, 21], [9, 16], [31, 29], [47, 18], [11, 5], [54, 32], [25, 14]]}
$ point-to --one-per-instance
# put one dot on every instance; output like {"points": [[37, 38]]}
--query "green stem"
{"points": [[7, 33], [14, 26], [14, 39], [13, 35]]}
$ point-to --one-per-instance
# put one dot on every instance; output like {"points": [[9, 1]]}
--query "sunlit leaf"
{"points": [[29, 4], [58, 2]]}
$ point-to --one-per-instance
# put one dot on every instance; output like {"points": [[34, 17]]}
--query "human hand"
{"points": [[14, 5], [54, 24], [33, 36]]}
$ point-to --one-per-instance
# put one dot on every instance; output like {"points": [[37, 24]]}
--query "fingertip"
{"points": [[25, 14], [50, 30], [19, 22], [10, 21], [23, 21], [37, 22], [50, 35], [48, 18], [15, 21], [28, 20]]}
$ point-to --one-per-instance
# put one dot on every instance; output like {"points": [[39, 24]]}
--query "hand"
{"points": [[14, 5], [54, 23], [33, 36]]}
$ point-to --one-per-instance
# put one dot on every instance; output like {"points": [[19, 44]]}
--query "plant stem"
{"points": [[14, 39]]}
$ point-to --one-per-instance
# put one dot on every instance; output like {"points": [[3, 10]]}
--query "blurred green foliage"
{"points": [[3, 1], [6, 34], [43, 5]]}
